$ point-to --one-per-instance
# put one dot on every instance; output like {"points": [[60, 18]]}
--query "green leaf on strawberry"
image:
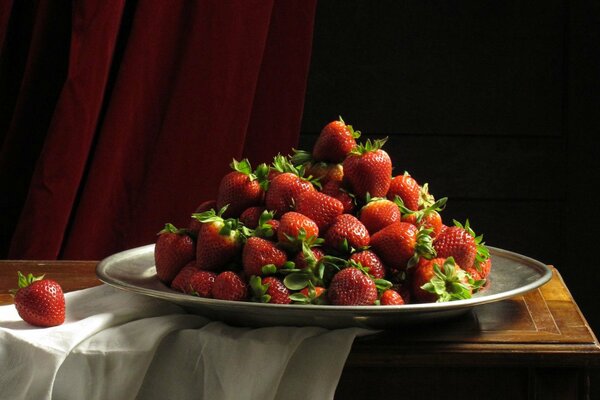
{"points": [[448, 282]]}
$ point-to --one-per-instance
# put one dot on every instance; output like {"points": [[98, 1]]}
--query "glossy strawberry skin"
{"points": [[334, 142], [229, 286], [259, 252], [238, 191], [370, 260], [346, 227], [300, 259], [337, 190], [432, 220], [277, 290], [182, 280], [215, 250], [290, 226], [42, 303], [251, 215], [458, 243], [201, 283], [351, 287], [370, 173], [171, 253], [407, 188], [378, 214], [391, 297], [395, 244], [319, 207], [325, 172], [283, 192], [480, 271]]}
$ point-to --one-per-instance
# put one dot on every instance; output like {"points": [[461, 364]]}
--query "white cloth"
{"points": [[119, 345]]}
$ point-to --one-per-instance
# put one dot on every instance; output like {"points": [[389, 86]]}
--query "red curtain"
{"points": [[148, 105]]}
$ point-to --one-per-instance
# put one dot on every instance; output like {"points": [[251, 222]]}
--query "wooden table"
{"points": [[536, 346]]}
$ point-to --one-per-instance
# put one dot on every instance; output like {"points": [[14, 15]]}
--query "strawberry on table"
{"points": [[319, 207], [173, 250], [337, 190], [261, 257], [461, 243], [219, 240], [39, 301], [441, 279], [295, 228], [368, 170], [369, 260], [407, 188], [352, 287], [182, 280], [242, 187], [250, 216], [310, 295], [284, 190], [390, 297], [229, 286], [401, 244], [201, 283], [428, 217]]}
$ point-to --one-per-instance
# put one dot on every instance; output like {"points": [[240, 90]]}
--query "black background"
{"points": [[494, 104]]}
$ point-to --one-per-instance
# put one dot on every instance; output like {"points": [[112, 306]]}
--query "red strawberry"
{"points": [[269, 290], [173, 250], [336, 190], [182, 281], [301, 261], [265, 227], [379, 213], [407, 188], [241, 188], [310, 295], [284, 190], [440, 279], [195, 225], [368, 259], [219, 240], [39, 301], [294, 228], [324, 172], [346, 233], [461, 243], [400, 244], [319, 207], [352, 287], [259, 253], [391, 297], [368, 170], [201, 283], [428, 217], [480, 271], [251, 216], [335, 141], [229, 286]]}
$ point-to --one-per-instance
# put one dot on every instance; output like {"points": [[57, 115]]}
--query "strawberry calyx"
{"points": [[448, 282], [25, 280], [437, 206], [301, 157], [311, 294], [315, 272], [264, 229], [423, 248], [355, 134], [259, 290], [227, 227], [368, 146], [426, 199], [381, 284], [482, 252]]}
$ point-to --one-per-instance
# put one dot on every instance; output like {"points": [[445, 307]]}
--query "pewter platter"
{"points": [[512, 275]]}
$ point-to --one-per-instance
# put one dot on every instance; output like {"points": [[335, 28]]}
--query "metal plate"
{"points": [[512, 274]]}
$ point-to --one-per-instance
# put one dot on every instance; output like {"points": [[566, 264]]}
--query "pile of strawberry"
{"points": [[331, 226]]}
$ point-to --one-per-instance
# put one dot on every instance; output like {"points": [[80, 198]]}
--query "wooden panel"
{"points": [[460, 67]]}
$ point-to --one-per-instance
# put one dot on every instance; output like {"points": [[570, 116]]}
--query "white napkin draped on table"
{"points": [[120, 345]]}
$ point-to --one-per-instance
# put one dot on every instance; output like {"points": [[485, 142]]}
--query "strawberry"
{"points": [[337, 190], [310, 295], [182, 281], [461, 243], [269, 290], [219, 240], [241, 188], [266, 227], [369, 260], [428, 217], [352, 287], [259, 254], [346, 234], [400, 245], [251, 216], [295, 228], [173, 250], [229, 286], [407, 189], [379, 213], [368, 170], [201, 283], [284, 190], [195, 225], [319, 207], [391, 297], [335, 141], [324, 172], [481, 270], [440, 279], [39, 301], [302, 260]]}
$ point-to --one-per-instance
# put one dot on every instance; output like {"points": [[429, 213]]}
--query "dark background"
{"points": [[494, 104]]}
